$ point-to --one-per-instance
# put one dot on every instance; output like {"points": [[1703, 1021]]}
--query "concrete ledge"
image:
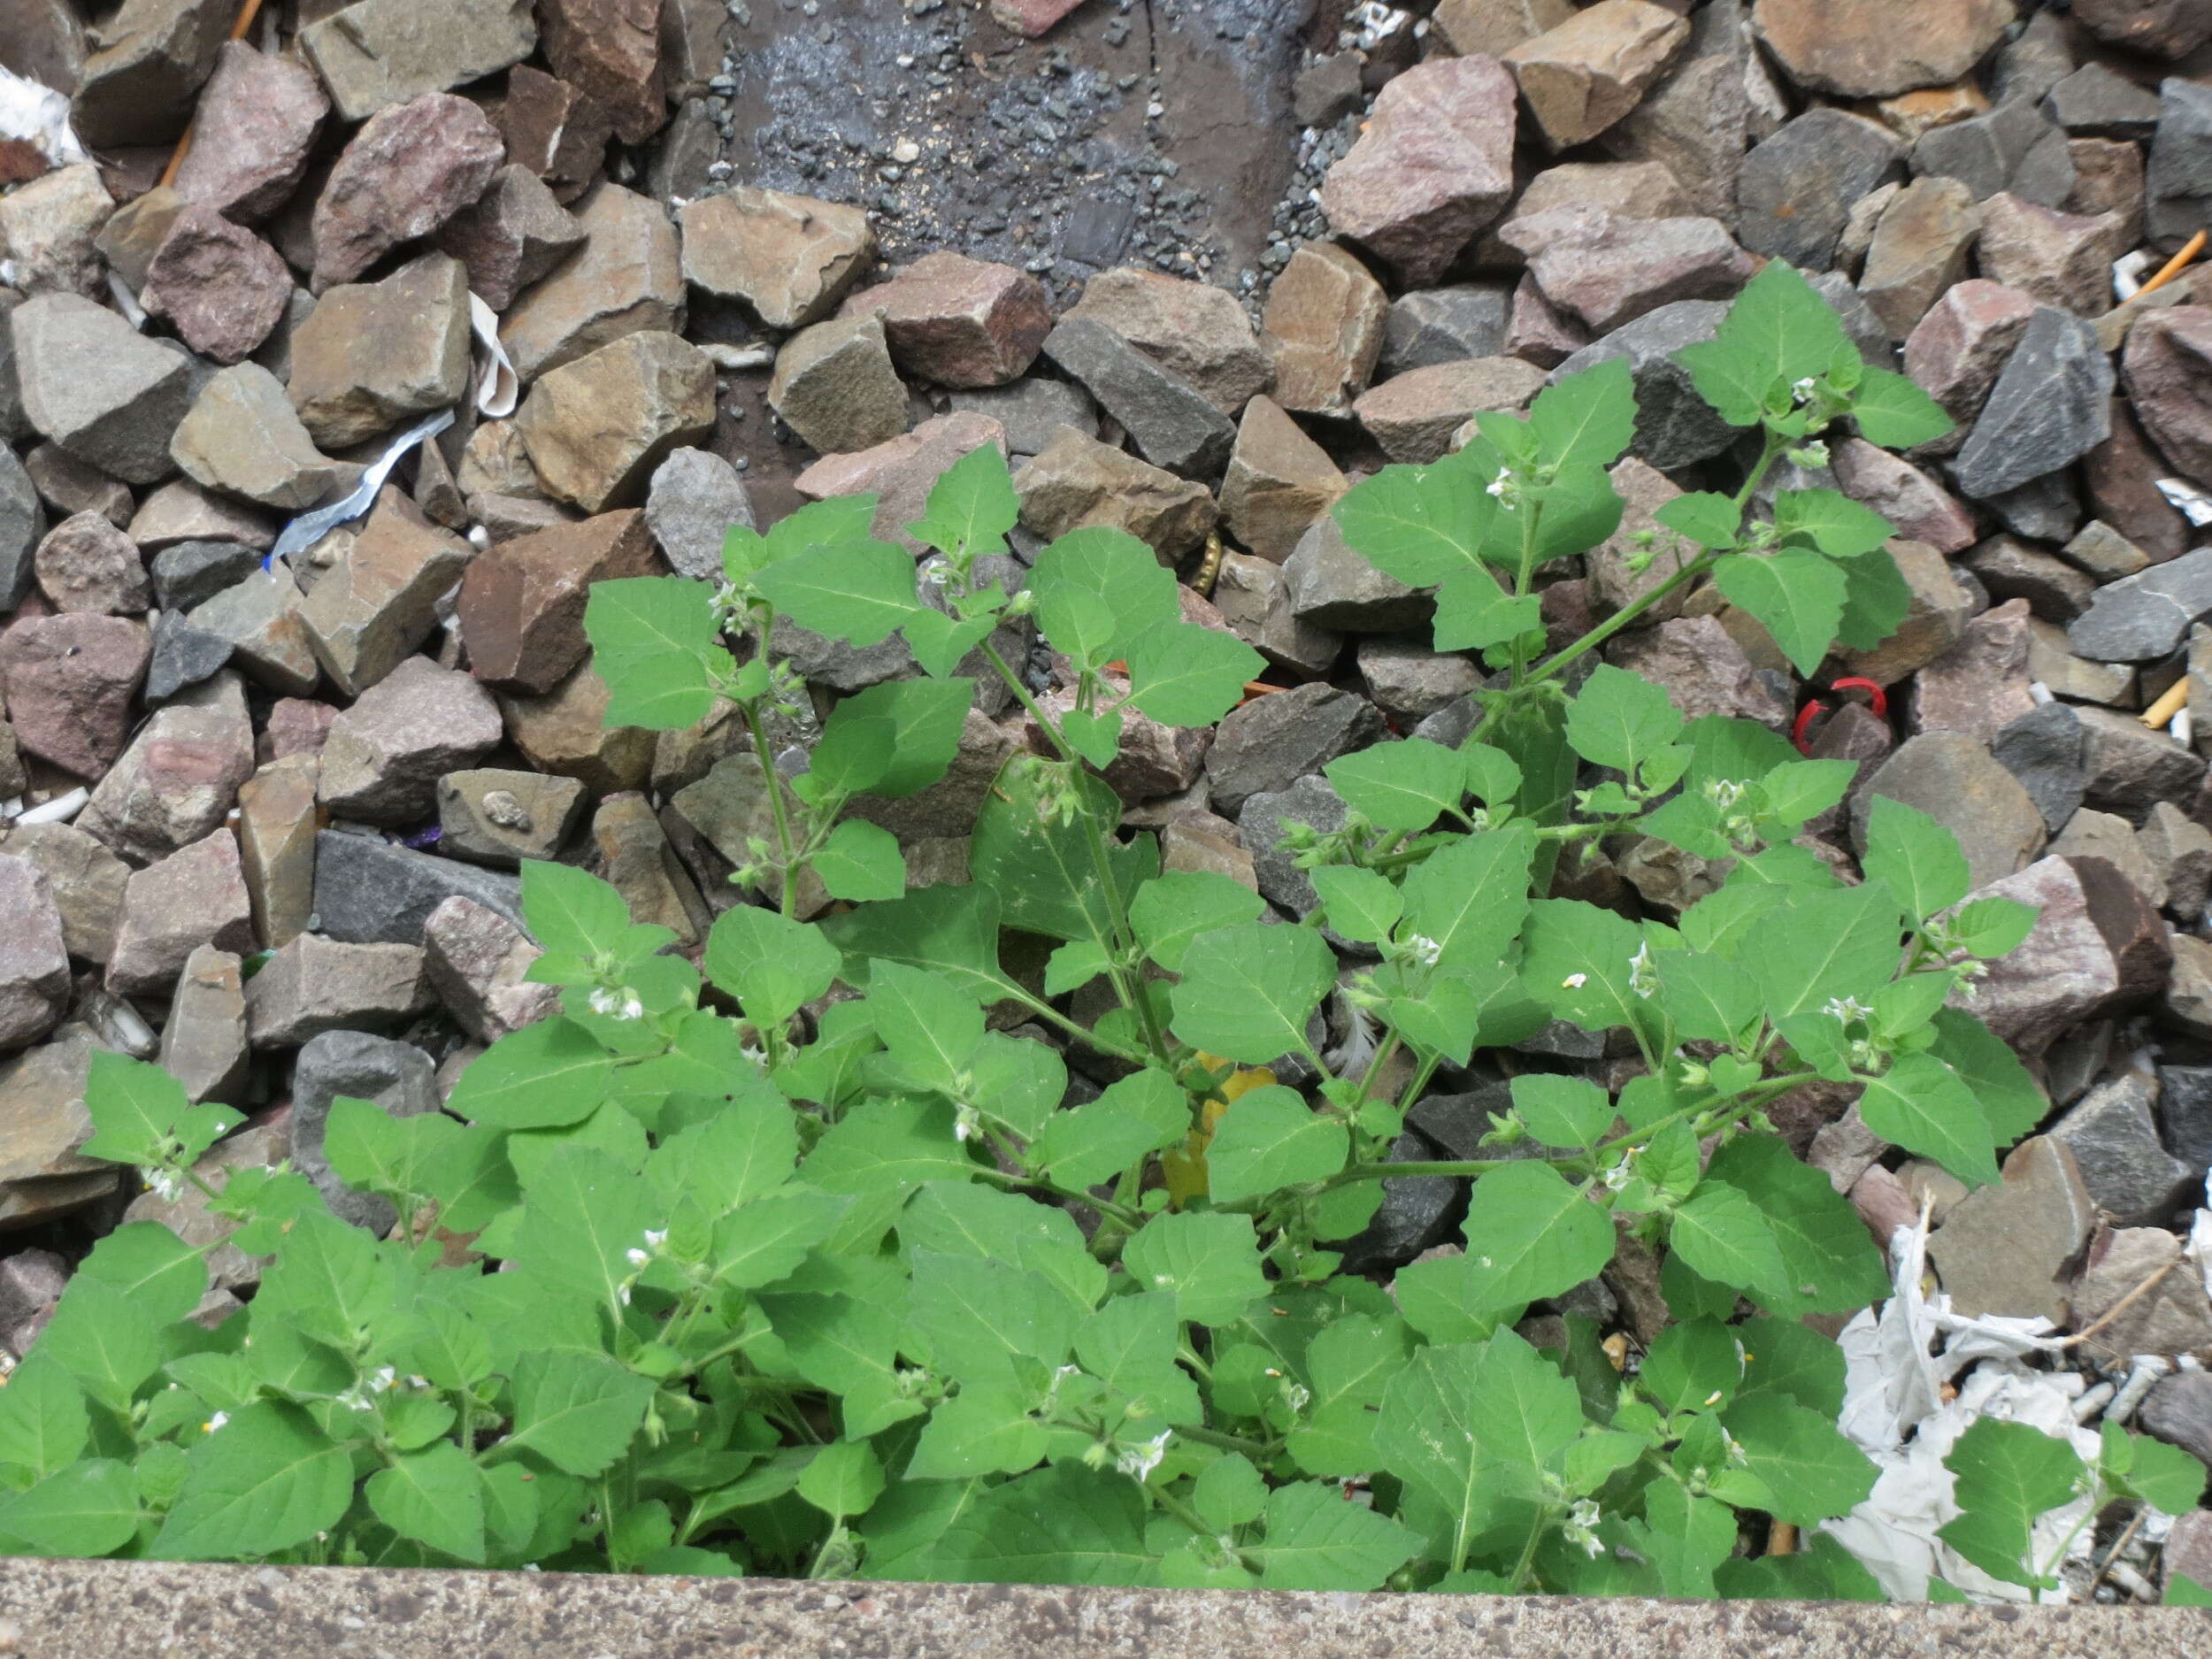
{"points": [[107, 1609]]}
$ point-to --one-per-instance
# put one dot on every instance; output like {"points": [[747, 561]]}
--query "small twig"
{"points": [[2118, 1544], [2119, 1307]]}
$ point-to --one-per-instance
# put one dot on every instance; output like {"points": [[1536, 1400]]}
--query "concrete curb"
{"points": [[109, 1610]]}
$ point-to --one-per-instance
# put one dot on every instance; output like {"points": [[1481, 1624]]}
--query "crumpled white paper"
{"points": [[499, 386], [1896, 1367], [36, 113]]}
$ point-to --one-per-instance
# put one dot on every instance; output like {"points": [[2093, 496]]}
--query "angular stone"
{"points": [[554, 130], [2097, 946], [1432, 326], [1951, 777], [368, 891], [1592, 69], [1078, 482], [97, 387], [181, 512], [1029, 413], [243, 436], [222, 286], [151, 57], [2115, 1142], [1797, 188], [1433, 168], [1332, 586], [2130, 766], [1979, 685], [1494, 28], [1254, 599], [1325, 323], [178, 778], [376, 353], [1151, 761], [2143, 618], [1956, 351], [475, 960], [1675, 428], [610, 51], [378, 52], [596, 428], [2061, 259], [2178, 180], [194, 896], [948, 807], [1856, 48], [278, 816], [1608, 271], [22, 527], [2168, 371], [1704, 671], [2004, 1248], [34, 961], [2092, 835], [260, 616], [409, 170], [84, 878], [1413, 416], [695, 499], [1170, 423], [727, 810], [372, 610], [253, 132], [565, 731], [834, 386], [69, 486], [626, 277], [204, 1041], [50, 227], [1264, 746], [2008, 568], [384, 755], [1194, 331], [2172, 1316], [900, 474], [521, 608], [313, 984], [1920, 509], [497, 817], [1409, 681], [68, 681], [2048, 407], [789, 257], [2180, 849], [396, 1077], [295, 727], [2104, 553], [86, 564], [510, 236], [1919, 250], [957, 321], [184, 655], [1278, 481], [2121, 477]]}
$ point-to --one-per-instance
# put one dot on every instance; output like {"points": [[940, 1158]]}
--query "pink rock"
{"points": [[194, 896], [409, 170], [1956, 352], [1031, 18], [959, 321], [2096, 947], [1536, 334], [1702, 669], [297, 726], [1607, 271], [1920, 509], [1433, 168], [68, 681], [1980, 685], [512, 235], [224, 287], [2167, 370], [900, 473], [255, 128], [34, 963], [610, 52], [2063, 259], [86, 564]]}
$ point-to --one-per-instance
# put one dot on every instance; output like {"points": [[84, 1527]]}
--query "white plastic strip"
{"points": [[311, 527], [60, 810], [2127, 274], [500, 386], [2191, 502]]}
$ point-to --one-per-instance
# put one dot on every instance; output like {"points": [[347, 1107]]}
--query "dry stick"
{"points": [[2119, 1307], [2118, 1544], [246, 14]]}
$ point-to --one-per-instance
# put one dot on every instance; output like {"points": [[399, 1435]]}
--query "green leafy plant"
{"points": [[813, 1265]]}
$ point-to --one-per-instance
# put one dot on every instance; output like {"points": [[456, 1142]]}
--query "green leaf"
{"points": [[1560, 1111], [861, 861], [101, 1339], [1358, 903], [266, 1480], [1693, 1366], [773, 965], [1830, 1265], [1066, 1524], [1876, 598], [1211, 1261], [892, 740], [1589, 417], [1845, 942], [141, 1114], [43, 1424], [1798, 596], [89, 1508], [1248, 991], [1315, 1540], [1720, 1235], [1777, 329], [582, 1214], [1923, 1106], [765, 1239], [1462, 1422], [1894, 413], [541, 1076], [1474, 613], [1992, 927], [2008, 1096], [1417, 524], [951, 931], [1831, 520], [1468, 898], [1404, 785], [1042, 860], [1916, 857], [1577, 964], [1174, 909], [971, 507], [823, 523], [1708, 997], [1529, 1235], [2183, 1591], [930, 1028], [1229, 1493], [2008, 1474], [1269, 1139], [1704, 518], [2165, 1477], [1129, 1345], [1798, 790], [1795, 1362], [940, 644], [1181, 673], [1098, 590], [1620, 720], [164, 1277], [571, 912], [981, 1431], [975, 1317], [654, 641], [577, 1411], [859, 592], [1809, 1471], [435, 1497], [1139, 1114], [845, 1477]]}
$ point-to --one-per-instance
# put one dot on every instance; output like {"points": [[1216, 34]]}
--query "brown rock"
{"points": [[554, 130], [2164, 28], [1495, 27], [610, 51], [178, 780], [1920, 508], [52, 228], [958, 321], [86, 878], [1588, 72], [1608, 271], [565, 731], [34, 964], [1717, 102], [521, 608], [2002, 1249], [1194, 330], [1433, 168], [260, 616], [626, 277], [1614, 582], [1254, 598], [634, 858], [2062, 259], [2108, 179], [86, 564], [243, 437], [404, 174], [253, 133], [2131, 766], [1632, 189], [373, 610], [1323, 323], [204, 1046], [1868, 49], [180, 511], [493, 816], [1909, 114], [374, 354], [899, 473], [2097, 946], [835, 387], [475, 959], [295, 727], [1278, 481], [70, 487], [313, 984], [194, 896], [95, 386], [378, 52], [278, 816], [385, 755], [136, 88], [1078, 482], [1704, 671], [510, 236], [68, 681], [2120, 476], [596, 428], [2167, 370], [223, 287], [1956, 349], [2172, 1316], [789, 257], [1934, 623], [1918, 251], [1535, 332], [1952, 778], [1414, 415], [1980, 685]]}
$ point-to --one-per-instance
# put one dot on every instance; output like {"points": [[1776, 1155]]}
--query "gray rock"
{"points": [[13, 425], [2002, 1249], [2049, 407], [203, 1040], [1675, 428], [1031, 411], [2132, 767], [2142, 618], [190, 573], [396, 1077], [368, 891], [1332, 586], [1409, 681], [1860, 324], [184, 655], [2015, 148], [2115, 1142], [1951, 777], [34, 963], [1417, 1211], [376, 52], [1310, 801], [2046, 750], [2179, 181], [314, 984], [2096, 101], [1447, 324], [2046, 509], [98, 387], [22, 527], [1171, 423], [1796, 189], [694, 498], [2178, 1410], [1273, 740], [2185, 1114]]}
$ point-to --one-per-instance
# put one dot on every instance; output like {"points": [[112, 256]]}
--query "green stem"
{"points": [[1530, 520], [786, 847], [1106, 1206], [1255, 1449], [1523, 1567]]}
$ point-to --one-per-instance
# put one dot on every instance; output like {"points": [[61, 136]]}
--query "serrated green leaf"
{"points": [[1211, 1261], [541, 1076], [577, 1411], [1358, 903], [1917, 859], [2010, 1099], [570, 911], [859, 592], [861, 861], [981, 1431], [1315, 1540], [1065, 1525], [892, 739], [1041, 860], [1923, 1106], [1891, 412], [975, 1317], [1417, 524], [1708, 520], [1619, 719], [1560, 1111], [435, 1497], [972, 506], [1588, 418], [1695, 1365], [1269, 1139], [1474, 613], [266, 1480], [1248, 991], [1181, 673], [1779, 328], [1797, 596], [1402, 785], [2008, 1474], [1810, 1471], [773, 965], [1830, 1265], [1098, 589], [1469, 898], [1842, 943], [654, 641], [1722, 1236], [952, 931], [1831, 520], [1139, 1114], [87, 1509], [1876, 598], [1529, 1235]]}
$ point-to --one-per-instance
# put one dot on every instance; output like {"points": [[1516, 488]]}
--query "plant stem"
{"points": [[1231, 1442], [787, 849], [1106, 1206], [1530, 520]]}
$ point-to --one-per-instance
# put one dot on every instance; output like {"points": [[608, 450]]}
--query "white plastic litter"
{"points": [[2127, 273], [311, 527], [60, 810], [499, 386], [38, 115], [2191, 502]]}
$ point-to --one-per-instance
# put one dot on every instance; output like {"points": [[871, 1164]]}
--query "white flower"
{"points": [[1499, 485], [167, 1185], [382, 1379], [1581, 1527], [1424, 949], [1845, 1009], [1642, 978], [967, 1125], [655, 1237], [623, 1295], [1574, 982], [214, 1423], [1802, 390], [638, 1259], [356, 1399], [1619, 1175], [1723, 792], [1137, 1462], [620, 1002]]}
